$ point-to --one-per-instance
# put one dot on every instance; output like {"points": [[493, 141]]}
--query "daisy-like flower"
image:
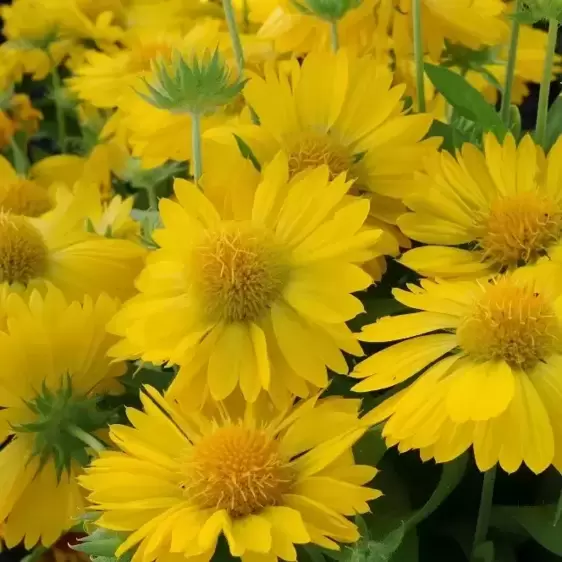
{"points": [[323, 116], [265, 480], [472, 23], [53, 365], [297, 32], [18, 115], [106, 78], [22, 195], [504, 205], [491, 355], [56, 249], [252, 287]]}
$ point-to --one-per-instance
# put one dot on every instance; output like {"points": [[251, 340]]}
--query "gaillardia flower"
{"points": [[53, 365], [55, 249], [324, 115], [265, 481], [503, 205], [257, 294], [491, 356]]}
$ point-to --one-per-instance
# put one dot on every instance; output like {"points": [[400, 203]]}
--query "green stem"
{"points": [[540, 131], [234, 35], [246, 16], [152, 198], [334, 36], [418, 53], [21, 163], [196, 147], [59, 111], [86, 438], [510, 67], [485, 510]]}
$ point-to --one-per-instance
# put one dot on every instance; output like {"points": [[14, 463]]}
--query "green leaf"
{"points": [[558, 513], [540, 522], [466, 99], [446, 132], [451, 477], [370, 448], [247, 152], [554, 123]]}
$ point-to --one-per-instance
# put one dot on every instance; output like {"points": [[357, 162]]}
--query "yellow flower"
{"points": [[157, 135], [492, 354], [106, 77], [252, 286], [19, 115], [55, 249], [53, 361], [266, 481], [472, 23], [504, 205], [110, 218], [299, 33], [22, 195], [325, 115]]}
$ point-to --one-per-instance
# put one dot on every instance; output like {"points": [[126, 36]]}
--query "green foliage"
{"points": [[329, 10], [56, 412], [554, 123], [466, 101], [101, 545], [533, 11], [198, 86]]}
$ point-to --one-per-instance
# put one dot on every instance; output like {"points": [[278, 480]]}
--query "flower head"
{"points": [[490, 353], [55, 249], [327, 118], [504, 205], [53, 365], [257, 274], [235, 470], [196, 86]]}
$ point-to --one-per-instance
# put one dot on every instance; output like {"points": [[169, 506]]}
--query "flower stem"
{"points": [[418, 53], [246, 16], [234, 35], [21, 162], [59, 110], [152, 197], [196, 146], [334, 36], [485, 510], [86, 438], [544, 95], [510, 67]]}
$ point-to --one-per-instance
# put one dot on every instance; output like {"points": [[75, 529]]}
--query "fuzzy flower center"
{"points": [[25, 197], [511, 322], [23, 253], [311, 150], [240, 272], [238, 469], [519, 229]]}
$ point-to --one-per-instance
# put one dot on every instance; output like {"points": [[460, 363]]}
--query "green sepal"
{"points": [[55, 411], [329, 10], [198, 86]]}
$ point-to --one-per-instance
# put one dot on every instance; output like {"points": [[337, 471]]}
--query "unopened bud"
{"points": [[329, 10]]}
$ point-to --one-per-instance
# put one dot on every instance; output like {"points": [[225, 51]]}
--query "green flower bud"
{"points": [[329, 10], [537, 10], [199, 86]]}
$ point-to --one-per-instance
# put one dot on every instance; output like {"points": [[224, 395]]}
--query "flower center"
{"points": [[141, 58], [311, 150], [23, 253], [520, 229], [511, 322], [240, 272], [25, 197], [237, 469]]}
